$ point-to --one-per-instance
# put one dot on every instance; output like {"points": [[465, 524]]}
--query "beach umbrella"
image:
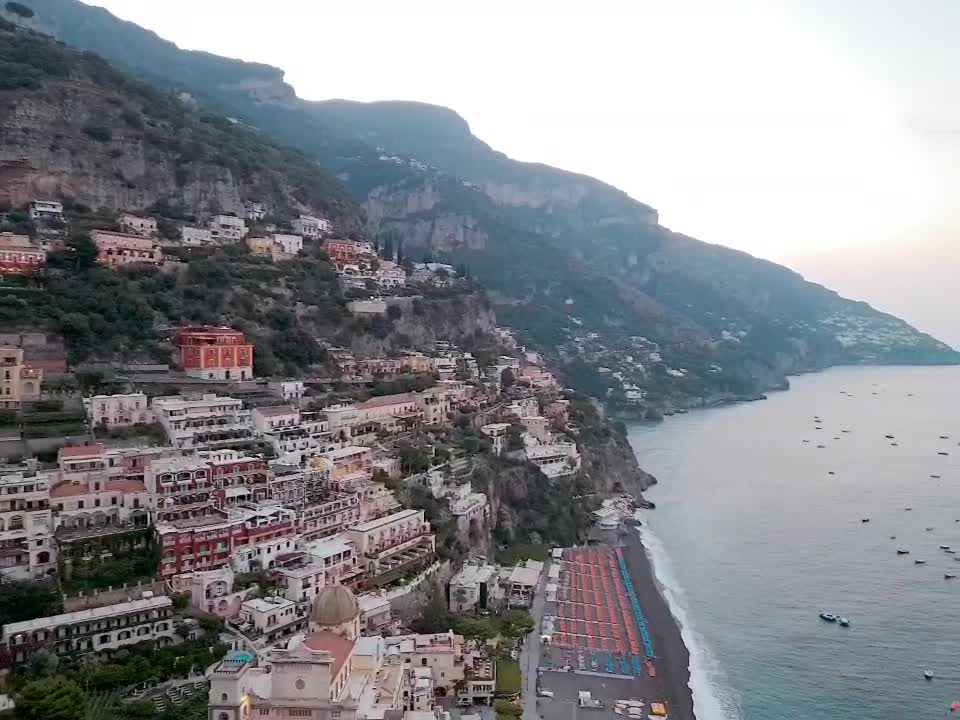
{"points": [[955, 706]]}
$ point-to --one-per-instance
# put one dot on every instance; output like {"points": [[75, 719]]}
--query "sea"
{"points": [[765, 518]]}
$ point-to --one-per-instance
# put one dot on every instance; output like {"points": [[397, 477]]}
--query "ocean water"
{"points": [[752, 538]]}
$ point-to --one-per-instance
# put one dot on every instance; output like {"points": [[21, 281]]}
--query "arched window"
{"points": [[223, 697]]}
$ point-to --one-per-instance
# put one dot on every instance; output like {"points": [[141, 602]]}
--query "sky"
{"points": [[822, 134]]}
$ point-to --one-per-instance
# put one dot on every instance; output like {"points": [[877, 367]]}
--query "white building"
{"points": [[497, 432], [93, 630], [301, 577], [310, 226], [272, 418], [554, 459], [392, 544], [264, 554], [288, 244], [195, 237], [338, 557], [270, 618], [206, 422], [227, 228], [46, 210], [289, 390], [136, 225], [26, 527], [118, 410], [475, 587]]}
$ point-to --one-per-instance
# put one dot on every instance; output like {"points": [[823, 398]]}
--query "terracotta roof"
{"points": [[81, 451], [125, 485], [383, 400], [339, 647], [69, 490]]}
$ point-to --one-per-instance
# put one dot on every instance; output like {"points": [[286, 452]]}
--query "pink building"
{"points": [[117, 249]]}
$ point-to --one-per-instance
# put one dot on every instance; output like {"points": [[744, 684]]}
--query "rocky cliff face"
{"points": [[642, 317], [71, 127]]}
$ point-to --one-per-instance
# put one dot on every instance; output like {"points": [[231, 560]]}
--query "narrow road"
{"points": [[530, 651]]}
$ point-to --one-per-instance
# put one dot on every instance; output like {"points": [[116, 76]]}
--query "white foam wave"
{"points": [[712, 700]]}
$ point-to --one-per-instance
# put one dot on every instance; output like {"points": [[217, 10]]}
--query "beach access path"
{"points": [[530, 651]]}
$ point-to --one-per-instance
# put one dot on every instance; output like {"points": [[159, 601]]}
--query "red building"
{"points": [[215, 353], [342, 252], [210, 543], [236, 477], [18, 256]]}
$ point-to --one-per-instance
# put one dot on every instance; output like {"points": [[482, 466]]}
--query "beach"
{"points": [[598, 644], [673, 658]]}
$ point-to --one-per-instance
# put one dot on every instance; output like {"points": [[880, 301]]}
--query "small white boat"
{"points": [[949, 576], [829, 617], [928, 674], [843, 622], [944, 547], [919, 562]]}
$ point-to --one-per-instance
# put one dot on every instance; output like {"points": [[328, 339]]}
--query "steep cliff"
{"points": [[645, 318], [71, 126]]}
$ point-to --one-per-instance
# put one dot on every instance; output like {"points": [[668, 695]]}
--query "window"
{"points": [[223, 697], [423, 661]]}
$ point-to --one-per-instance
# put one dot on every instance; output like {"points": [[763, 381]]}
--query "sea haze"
{"points": [[754, 538]]}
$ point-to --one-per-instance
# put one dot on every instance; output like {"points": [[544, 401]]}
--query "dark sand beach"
{"points": [[672, 657]]}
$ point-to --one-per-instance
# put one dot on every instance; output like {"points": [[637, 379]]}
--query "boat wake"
{"points": [[712, 700]]}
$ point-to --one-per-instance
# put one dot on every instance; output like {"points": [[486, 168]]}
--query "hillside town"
{"points": [[287, 520]]}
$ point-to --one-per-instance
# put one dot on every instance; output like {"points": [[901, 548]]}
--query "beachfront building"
{"points": [[117, 411], [329, 514], [119, 249], [88, 631], [19, 382], [209, 421], [26, 526], [214, 353], [19, 256]]}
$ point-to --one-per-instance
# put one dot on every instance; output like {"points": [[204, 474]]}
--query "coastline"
{"points": [[672, 654]]}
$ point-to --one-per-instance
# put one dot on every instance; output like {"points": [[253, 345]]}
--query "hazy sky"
{"points": [[819, 133]]}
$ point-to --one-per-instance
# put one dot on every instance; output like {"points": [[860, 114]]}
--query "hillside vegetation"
{"points": [[648, 319]]}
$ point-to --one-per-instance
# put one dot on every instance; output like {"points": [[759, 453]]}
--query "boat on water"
{"points": [[830, 472], [928, 674], [929, 529], [950, 552], [829, 617], [845, 431], [821, 446], [944, 437], [919, 562], [903, 552], [843, 622], [895, 444], [893, 537], [944, 547], [935, 477], [889, 437], [864, 520], [943, 453], [907, 509], [949, 576]]}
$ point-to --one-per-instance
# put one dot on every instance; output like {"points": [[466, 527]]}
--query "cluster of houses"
{"points": [[315, 514]]}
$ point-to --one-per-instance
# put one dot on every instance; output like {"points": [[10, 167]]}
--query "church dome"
{"points": [[334, 605]]}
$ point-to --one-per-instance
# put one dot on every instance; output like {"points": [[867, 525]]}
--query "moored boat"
{"points": [[829, 617]]}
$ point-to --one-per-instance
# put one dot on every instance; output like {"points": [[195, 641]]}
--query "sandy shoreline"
{"points": [[672, 656]]}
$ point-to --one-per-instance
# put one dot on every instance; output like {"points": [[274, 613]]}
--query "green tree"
{"points": [[507, 378], [84, 250], [51, 700]]}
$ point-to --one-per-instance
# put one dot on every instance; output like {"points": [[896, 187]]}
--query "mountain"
{"points": [[649, 319]]}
